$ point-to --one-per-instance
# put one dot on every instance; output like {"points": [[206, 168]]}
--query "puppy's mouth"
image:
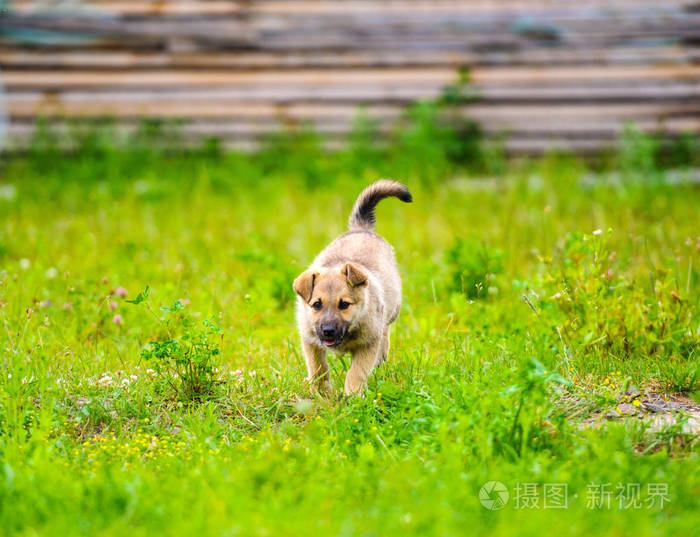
{"points": [[332, 342]]}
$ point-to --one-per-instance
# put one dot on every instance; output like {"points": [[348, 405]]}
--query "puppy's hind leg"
{"points": [[363, 362], [317, 366], [384, 346]]}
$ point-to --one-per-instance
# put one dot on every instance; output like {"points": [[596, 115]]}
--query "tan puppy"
{"points": [[351, 294]]}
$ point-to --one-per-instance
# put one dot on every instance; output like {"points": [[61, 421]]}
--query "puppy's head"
{"points": [[336, 299]]}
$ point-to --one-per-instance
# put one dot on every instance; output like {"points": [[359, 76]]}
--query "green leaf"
{"points": [[141, 297], [177, 306]]}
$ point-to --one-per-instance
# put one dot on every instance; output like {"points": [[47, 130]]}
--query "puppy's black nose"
{"points": [[328, 331]]}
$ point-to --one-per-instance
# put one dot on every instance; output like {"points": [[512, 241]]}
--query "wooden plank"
{"points": [[663, 90], [16, 79], [86, 59], [435, 25], [217, 7], [190, 109], [183, 38], [353, 31], [195, 78], [626, 111], [547, 27], [586, 128], [393, 6], [157, 8], [236, 109], [355, 39], [530, 146], [230, 31], [407, 15], [397, 93]]}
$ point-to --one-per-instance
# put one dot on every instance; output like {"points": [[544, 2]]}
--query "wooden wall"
{"points": [[548, 72]]}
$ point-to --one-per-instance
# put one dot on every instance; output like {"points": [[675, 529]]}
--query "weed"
{"points": [[185, 363], [598, 306]]}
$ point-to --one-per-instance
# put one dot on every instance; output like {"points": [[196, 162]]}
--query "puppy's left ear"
{"points": [[354, 275], [304, 284]]}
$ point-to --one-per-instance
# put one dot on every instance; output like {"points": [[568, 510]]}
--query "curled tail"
{"points": [[362, 215]]}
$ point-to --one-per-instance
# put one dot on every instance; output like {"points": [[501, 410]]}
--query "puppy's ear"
{"points": [[354, 275], [304, 284]]}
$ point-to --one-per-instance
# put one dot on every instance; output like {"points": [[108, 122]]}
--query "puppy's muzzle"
{"points": [[330, 335]]}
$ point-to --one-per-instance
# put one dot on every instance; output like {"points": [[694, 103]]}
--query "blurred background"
{"points": [[533, 75]]}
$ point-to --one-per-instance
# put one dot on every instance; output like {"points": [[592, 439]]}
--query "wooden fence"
{"points": [[548, 73]]}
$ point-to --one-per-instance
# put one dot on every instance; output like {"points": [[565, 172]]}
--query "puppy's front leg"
{"points": [[362, 364], [317, 366], [384, 347]]}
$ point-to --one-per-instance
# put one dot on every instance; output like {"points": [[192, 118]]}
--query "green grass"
{"points": [[518, 323]]}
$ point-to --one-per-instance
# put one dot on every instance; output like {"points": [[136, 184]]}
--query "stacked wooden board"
{"points": [[547, 73]]}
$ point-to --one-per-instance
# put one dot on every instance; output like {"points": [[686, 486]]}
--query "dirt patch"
{"points": [[659, 410]]}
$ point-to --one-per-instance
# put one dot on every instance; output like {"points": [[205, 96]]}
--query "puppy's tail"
{"points": [[362, 215]]}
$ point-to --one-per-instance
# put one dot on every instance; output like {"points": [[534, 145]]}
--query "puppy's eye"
{"points": [[342, 305], [317, 305]]}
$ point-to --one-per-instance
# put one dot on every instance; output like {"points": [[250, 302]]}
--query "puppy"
{"points": [[351, 294]]}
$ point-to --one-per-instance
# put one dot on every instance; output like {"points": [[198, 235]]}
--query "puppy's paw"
{"points": [[355, 388], [321, 386]]}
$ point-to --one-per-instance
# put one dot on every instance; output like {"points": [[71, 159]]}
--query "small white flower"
{"points": [[597, 232], [24, 263], [125, 382], [51, 273], [105, 381], [150, 372], [133, 378]]}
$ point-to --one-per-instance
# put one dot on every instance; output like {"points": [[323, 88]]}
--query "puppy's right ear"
{"points": [[353, 275], [304, 284]]}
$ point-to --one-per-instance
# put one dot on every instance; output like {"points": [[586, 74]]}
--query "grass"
{"points": [[531, 303]]}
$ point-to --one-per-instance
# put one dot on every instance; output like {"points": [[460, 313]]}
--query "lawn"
{"points": [[535, 304]]}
